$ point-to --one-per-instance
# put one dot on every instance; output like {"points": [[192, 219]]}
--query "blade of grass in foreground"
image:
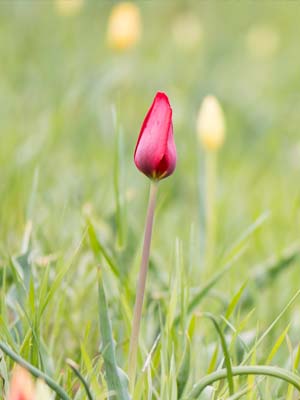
{"points": [[274, 372], [34, 371], [75, 369], [184, 369], [115, 377], [225, 351]]}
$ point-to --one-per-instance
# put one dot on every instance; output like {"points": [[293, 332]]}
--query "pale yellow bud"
{"points": [[211, 124], [68, 7], [124, 26]]}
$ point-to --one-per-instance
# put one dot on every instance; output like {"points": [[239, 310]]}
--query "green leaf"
{"points": [[34, 371], [277, 345], [115, 377], [3, 376], [214, 359], [297, 359], [234, 301], [184, 369], [75, 369], [225, 351], [99, 249]]}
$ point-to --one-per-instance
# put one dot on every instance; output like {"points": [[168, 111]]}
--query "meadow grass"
{"points": [[73, 204]]}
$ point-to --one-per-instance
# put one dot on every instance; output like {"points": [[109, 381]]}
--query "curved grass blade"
{"points": [[35, 371], [225, 351], [264, 370], [75, 369]]}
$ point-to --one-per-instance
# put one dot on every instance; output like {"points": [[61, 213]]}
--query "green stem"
{"points": [[76, 371], [210, 195], [34, 371], [133, 350], [275, 372]]}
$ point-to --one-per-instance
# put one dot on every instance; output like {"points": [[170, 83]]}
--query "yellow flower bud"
{"points": [[68, 7], [211, 124], [124, 26]]}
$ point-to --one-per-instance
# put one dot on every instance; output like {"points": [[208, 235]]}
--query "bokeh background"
{"points": [[69, 98]]}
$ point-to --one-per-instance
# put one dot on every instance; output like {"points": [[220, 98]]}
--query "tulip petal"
{"points": [[155, 152]]}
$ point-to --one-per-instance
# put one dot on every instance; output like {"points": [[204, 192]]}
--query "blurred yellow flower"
{"points": [[211, 124], [187, 31], [68, 7], [262, 41], [124, 26]]}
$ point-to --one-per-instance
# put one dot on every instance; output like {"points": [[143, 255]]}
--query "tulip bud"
{"points": [[68, 7], [21, 386], [211, 124], [124, 26], [155, 152]]}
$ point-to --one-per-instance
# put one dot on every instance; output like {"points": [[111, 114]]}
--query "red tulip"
{"points": [[155, 152]]}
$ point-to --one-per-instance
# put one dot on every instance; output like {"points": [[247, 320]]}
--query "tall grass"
{"points": [[72, 202]]}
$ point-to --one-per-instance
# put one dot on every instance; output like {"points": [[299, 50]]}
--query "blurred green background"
{"points": [[61, 88]]}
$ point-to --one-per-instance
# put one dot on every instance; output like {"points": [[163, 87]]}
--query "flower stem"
{"points": [[134, 340], [210, 194]]}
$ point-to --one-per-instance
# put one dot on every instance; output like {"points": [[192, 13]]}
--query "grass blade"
{"points": [[75, 369], [115, 378], [216, 376], [34, 371], [263, 336], [225, 351], [184, 369]]}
